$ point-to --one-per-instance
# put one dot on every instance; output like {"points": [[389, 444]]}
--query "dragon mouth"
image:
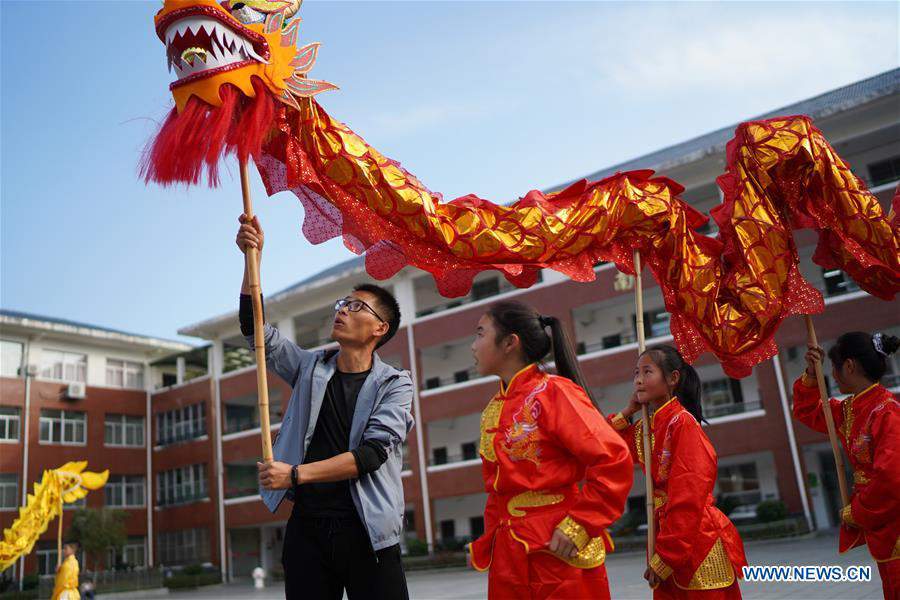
{"points": [[202, 42]]}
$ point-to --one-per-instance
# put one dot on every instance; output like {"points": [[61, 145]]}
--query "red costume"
{"points": [[868, 425], [540, 437], [698, 552]]}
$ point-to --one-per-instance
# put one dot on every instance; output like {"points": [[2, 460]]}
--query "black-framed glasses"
{"points": [[355, 305]]}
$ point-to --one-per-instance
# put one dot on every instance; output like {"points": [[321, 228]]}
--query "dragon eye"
{"points": [[246, 15]]}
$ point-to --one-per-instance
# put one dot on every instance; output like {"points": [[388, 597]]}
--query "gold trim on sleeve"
{"points": [[575, 532], [715, 572], [659, 567], [619, 422]]}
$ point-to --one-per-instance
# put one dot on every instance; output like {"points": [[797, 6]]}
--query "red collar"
{"points": [[527, 374]]}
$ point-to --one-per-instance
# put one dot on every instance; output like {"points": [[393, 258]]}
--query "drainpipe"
{"points": [[792, 440], [215, 373], [148, 439], [420, 440], [30, 372]]}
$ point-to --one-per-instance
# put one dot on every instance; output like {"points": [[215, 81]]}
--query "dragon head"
{"points": [[210, 44], [234, 63]]}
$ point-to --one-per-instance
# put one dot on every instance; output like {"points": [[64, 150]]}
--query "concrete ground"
{"points": [[625, 576]]}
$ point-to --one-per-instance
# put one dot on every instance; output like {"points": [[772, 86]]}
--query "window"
{"points": [[405, 454], [46, 561], [124, 430], [63, 427], [10, 358], [9, 423], [409, 522], [837, 282], [885, 171], [185, 423], [240, 417], [448, 530], [461, 376], [63, 366], [636, 508], [485, 289], [469, 451], [123, 373], [432, 382], [9, 490], [125, 491], [722, 397], [241, 480], [46, 555], [476, 526], [132, 554], [440, 456], [656, 323], [182, 485], [741, 482], [183, 547], [612, 341]]}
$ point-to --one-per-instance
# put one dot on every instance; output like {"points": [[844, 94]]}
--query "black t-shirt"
{"points": [[330, 438]]}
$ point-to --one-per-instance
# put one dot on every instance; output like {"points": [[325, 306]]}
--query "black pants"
{"points": [[322, 557]]}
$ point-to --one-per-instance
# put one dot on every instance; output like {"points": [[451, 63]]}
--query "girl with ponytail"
{"points": [[868, 425], [541, 435], [698, 553]]}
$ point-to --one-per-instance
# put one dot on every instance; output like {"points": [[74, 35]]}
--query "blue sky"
{"points": [[492, 98]]}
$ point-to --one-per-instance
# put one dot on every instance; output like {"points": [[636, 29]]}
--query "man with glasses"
{"points": [[338, 454]]}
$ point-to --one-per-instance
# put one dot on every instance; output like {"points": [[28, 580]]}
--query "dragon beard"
{"points": [[197, 138]]}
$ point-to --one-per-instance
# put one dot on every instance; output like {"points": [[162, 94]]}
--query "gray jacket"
{"points": [[382, 414]]}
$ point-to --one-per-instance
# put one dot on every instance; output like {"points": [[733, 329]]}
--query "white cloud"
{"points": [[762, 52]]}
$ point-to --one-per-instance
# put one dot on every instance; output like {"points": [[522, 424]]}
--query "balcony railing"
{"points": [[183, 498], [241, 491], [185, 436], [449, 459], [458, 377], [735, 408], [620, 339], [480, 291]]}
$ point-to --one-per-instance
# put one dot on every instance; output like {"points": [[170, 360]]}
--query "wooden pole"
{"points": [[645, 410], [829, 418], [262, 387]]}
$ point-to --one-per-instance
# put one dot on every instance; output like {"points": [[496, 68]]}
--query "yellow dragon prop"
{"points": [[68, 483]]}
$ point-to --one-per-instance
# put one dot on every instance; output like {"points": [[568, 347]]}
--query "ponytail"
{"points": [[689, 389], [564, 355], [512, 317]]}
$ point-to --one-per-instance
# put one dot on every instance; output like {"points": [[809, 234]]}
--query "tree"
{"points": [[97, 531]]}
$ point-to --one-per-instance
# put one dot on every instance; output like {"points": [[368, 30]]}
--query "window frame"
{"points": [[6, 421], [48, 371], [63, 425]]}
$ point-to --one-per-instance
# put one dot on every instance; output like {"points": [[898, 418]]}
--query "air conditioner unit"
{"points": [[76, 391]]}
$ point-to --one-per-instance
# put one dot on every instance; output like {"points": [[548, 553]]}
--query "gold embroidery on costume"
{"points": [[531, 499], [521, 437], [490, 421]]}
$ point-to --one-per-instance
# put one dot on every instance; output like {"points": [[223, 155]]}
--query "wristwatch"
{"points": [[294, 482]]}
